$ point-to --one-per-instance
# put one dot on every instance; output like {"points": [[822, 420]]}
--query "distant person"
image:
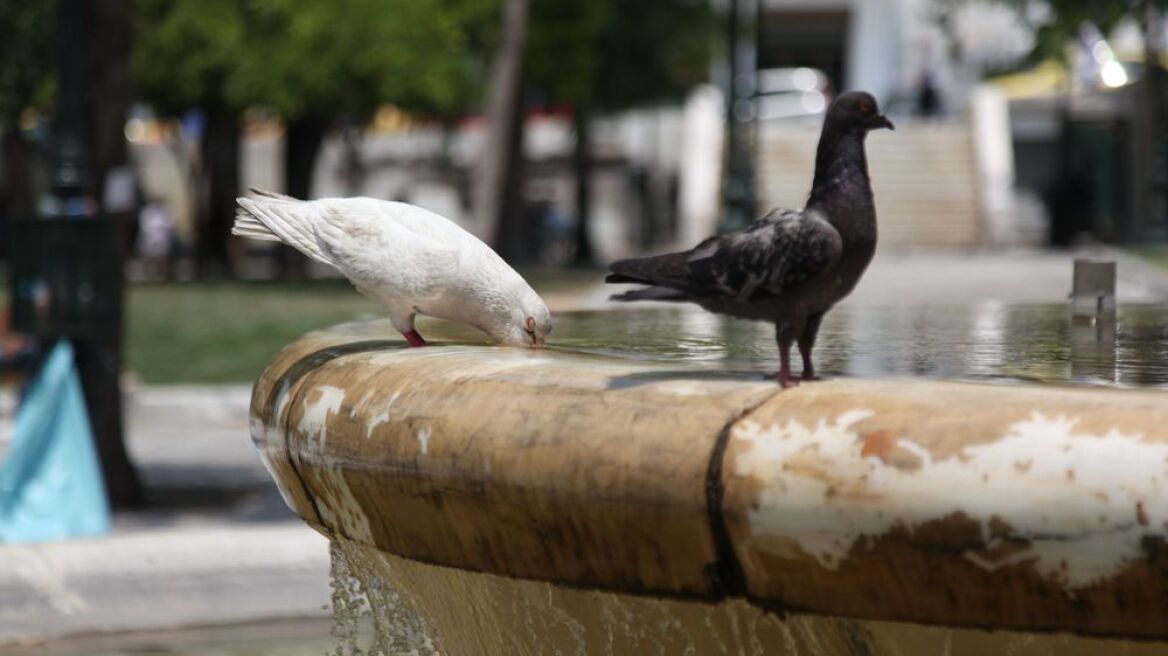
{"points": [[928, 97], [18, 354], [155, 238], [121, 196]]}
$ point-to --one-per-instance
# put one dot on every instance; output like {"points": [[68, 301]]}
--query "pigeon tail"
{"points": [[264, 193], [667, 270], [276, 217], [651, 294]]}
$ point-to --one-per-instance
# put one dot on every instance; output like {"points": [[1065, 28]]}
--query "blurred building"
{"points": [[1031, 159], [886, 47], [971, 165], [1086, 143], [944, 179]]}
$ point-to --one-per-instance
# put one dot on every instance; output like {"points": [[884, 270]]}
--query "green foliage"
{"points": [[26, 56], [309, 57], [1052, 38], [186, 51], [655, 50], [613, 55], [562, 55], [1059, 27]]}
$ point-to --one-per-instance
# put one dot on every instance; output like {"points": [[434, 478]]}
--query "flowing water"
{"points": [[455, 612], [362, 597], [987, 341]]}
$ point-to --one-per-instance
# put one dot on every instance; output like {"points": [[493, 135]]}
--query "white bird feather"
{"points": [[408, 259]]}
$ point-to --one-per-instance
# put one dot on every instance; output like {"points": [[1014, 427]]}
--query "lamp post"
{"points": [[739, 202], [98, 346]]}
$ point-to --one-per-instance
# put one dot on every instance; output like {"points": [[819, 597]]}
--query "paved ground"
{"points": [[220, 546], [1023, 277]]}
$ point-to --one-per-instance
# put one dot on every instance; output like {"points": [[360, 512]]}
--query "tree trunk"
{"points": [[582, 169], [99, 365], [302, 141], [504, 117], [511, 235], [1151, 213], [221, 171], [106, 84], [107, 80], [16, 196]]}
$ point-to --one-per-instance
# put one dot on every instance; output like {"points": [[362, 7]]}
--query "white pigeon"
{"points": [[408, 259]]}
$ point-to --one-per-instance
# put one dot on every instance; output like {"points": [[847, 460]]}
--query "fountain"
{"points": [[493, 500]]}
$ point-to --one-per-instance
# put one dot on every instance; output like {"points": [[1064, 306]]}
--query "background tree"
{"points": [[498, 197], [316, 61], [313, 61], [602, 56], [185, 58], [109, 43], [1060, 28], [309, 61], [26, 73], [27, 76]]}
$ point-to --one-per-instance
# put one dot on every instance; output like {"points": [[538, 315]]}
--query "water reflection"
{"points": [[299, 637], [985, 341], [1094, 345]]}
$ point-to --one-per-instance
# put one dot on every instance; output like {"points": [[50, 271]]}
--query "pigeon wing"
{"points": [[780, 251], [374, 247]]}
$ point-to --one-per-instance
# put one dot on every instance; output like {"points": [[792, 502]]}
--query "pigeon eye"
{"points": [[530, 325], [866, 107]]}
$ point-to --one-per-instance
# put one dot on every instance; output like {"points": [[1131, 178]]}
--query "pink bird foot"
{"points": [[786, 381], [783, 375], [414, 338]]}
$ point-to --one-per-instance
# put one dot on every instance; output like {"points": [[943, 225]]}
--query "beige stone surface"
{"points": [[998, 506], [536, 464], [995, 506]]}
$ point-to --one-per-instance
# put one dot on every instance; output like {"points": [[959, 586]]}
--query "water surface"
{"points": [[300, 637], [986, 341]]}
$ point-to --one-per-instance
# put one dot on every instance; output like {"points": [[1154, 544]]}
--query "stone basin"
{"points": [[897, 513]]}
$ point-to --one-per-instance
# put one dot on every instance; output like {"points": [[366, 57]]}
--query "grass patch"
{"points": [[1156, 254], [226, 332]]}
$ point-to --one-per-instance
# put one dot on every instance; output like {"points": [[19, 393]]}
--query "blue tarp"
{"points": [[50, 481]]}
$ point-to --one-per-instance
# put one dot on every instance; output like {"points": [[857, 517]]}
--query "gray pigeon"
{"points": [[791, 266]]}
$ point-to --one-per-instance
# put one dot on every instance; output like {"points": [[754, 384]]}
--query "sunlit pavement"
{"points": [[217, 544]]}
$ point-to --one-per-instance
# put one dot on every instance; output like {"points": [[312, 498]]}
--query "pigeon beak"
{"points": [[883, 122], [538, 342]]}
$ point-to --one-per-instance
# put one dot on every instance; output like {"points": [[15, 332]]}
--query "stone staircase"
{"points": [[924, 177]]}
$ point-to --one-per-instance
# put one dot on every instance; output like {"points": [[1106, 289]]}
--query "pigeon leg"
{"points": [[414, 338], [806, 343], [783, 375]]}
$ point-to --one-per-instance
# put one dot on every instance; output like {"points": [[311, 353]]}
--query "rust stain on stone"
{"points": [[877, 443], [885, 445]]}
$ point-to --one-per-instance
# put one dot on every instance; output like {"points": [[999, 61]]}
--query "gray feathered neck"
{"points": [[841, 188]]}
